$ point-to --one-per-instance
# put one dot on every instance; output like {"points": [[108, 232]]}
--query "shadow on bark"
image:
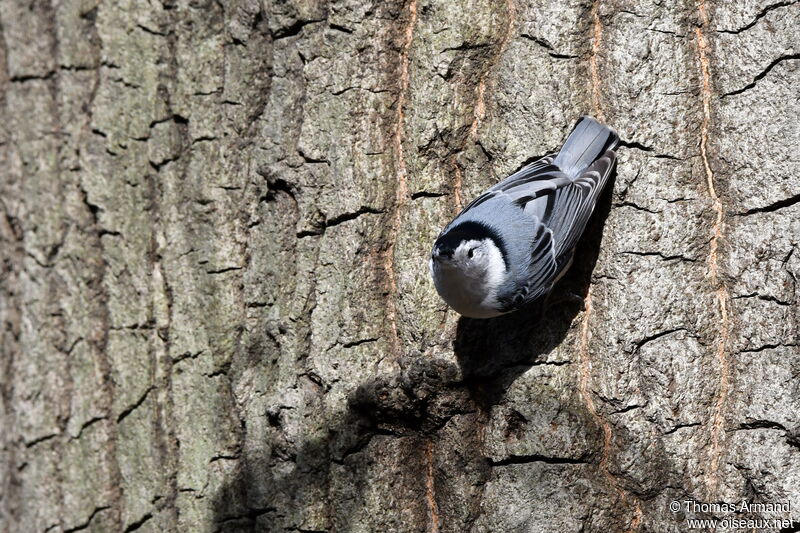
{"points": [[388, 432], [492, 353], [280, 486], [328, 480]]}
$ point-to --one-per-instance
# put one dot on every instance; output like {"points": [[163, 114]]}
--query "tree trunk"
{"points": [[215, 308]]}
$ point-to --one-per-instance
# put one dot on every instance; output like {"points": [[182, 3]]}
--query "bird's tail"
{"points": [[588, 141]]}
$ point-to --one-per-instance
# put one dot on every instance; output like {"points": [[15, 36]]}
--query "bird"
{"points": [[510, 245]]}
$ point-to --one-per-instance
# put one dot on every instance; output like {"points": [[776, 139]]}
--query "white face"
{"points": [[468, 278], [470, 257]]}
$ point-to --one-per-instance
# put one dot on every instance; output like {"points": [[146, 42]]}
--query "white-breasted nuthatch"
{"points": [[513, 242]]}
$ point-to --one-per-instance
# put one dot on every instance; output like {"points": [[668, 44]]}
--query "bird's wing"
{"points": [[559, 209], [567, 210], [534, 180], [537, 277]]}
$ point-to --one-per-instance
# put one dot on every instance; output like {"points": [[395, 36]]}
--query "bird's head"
{"points": [[468, 264]]}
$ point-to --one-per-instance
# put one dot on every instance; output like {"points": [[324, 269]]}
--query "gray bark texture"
{"points": [[215, 307]]}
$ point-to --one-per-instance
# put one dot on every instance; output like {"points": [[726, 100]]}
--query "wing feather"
{"points": [[534, 180], [581, 197]]}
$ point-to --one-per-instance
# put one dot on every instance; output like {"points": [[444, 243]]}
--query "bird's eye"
{"points": [[471, 252]]}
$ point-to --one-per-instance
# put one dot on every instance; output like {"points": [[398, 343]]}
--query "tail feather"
{"points": [[588, 141]]}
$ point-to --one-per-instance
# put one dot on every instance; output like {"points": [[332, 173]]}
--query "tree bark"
{"points": [[215, 309]]}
